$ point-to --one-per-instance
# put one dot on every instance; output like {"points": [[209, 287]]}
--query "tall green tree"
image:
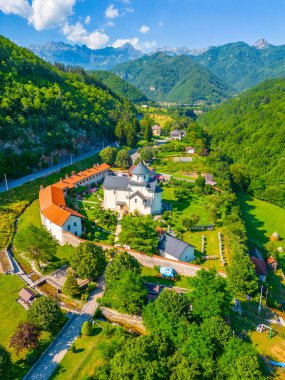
{"points": [[209, 296], [123, 159], [242, 279], [121, 263], [88, 261], [46, 314], [126, 294], [108, 155], [168, 315], [36, 242], [239, 361], [70, 286], [5, 363], [139, 232]]}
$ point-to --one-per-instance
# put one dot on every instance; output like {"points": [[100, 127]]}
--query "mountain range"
{"points": [[176, 79], [212, 73], [99, 59]]}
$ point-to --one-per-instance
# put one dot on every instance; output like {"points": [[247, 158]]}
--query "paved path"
{"points": [[48, 362], [47, 171]]}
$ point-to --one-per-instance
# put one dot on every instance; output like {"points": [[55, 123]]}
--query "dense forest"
{"points": [[242, 66], [249, 131], [119, 86], [48, 111], [173, 79]]}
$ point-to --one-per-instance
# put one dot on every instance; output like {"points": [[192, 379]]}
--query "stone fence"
{"points": [[129, 322], [184, 269]]}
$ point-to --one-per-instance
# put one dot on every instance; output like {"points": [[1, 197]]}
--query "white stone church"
{"points": [[137, 192]]}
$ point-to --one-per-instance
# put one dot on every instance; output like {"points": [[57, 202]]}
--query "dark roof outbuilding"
{"points": [[173, 246]]}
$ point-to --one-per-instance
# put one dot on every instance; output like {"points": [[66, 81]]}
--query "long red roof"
{"points": [[52, 202]]}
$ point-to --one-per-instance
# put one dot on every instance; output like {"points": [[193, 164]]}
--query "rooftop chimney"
{"points": [[41, 187], [66, 175]]}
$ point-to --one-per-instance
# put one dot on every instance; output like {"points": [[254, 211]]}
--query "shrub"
{"points": [[87, 328], [32, 356]]}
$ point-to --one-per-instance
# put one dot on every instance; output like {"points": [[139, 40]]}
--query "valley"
{"points": [[142, 230]]}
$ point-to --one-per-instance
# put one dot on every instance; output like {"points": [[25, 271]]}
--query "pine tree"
{"points": [[71, 287]]}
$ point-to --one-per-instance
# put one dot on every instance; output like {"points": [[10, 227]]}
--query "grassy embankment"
{"points": [[89, 353], [261, 220]]}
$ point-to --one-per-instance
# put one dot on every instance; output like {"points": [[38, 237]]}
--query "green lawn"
{"points": [[261, 219], [151, 275], [88, 356], [11, 313], [197, 204]]}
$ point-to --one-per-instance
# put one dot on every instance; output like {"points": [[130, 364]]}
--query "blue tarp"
{"points": [[279, 364], [166, 272]]}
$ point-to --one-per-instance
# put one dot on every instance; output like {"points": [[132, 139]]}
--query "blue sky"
{"points": [[145, 23]]}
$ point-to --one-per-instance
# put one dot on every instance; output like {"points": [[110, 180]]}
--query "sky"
{"points": [[147, 24]]}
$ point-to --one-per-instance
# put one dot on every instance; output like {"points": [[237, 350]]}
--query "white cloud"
{"points": [[42, 14], [78, 34], [144, 29], [120, 42], [161, 23], [111, 11], [50, 13], [17, 7], [109, 23], [87, 20], [148, 45]]}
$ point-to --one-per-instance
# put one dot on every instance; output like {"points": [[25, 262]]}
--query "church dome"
{"points": [[140, 169]]}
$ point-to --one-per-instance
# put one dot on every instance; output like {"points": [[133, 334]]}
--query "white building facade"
{"points": [[137, 193]]}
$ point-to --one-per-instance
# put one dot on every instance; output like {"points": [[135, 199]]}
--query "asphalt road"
{"points": [[47, 171]]}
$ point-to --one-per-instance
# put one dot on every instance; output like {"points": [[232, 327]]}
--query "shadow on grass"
{"points": [[256, 235]]}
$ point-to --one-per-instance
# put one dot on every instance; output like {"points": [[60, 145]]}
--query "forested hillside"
{"points": [[119, 86], [241, 66], [250, 131], [173, 79], [46, 112]]}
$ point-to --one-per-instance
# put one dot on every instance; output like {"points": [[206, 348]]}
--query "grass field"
{"points": [[88, 356], [198, 204], [160, 119], [261, 219], [151, 275], [11, 313]]}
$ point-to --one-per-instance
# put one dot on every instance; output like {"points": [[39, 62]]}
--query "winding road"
{"points": [[47, 171]]}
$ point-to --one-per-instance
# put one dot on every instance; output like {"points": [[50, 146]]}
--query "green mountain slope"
{"points": [[242, 66], [46, 113], [173, 79], [119, 86], [250, 130]]}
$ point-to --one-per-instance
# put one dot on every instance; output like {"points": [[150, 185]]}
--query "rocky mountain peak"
{"points": [[261, 44]]}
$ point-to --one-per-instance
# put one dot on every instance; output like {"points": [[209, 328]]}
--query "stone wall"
{"points": [[132, 322], [184, 269]]}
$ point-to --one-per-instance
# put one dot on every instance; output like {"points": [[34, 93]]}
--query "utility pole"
{"points": [[6, 183], [260, 300]]}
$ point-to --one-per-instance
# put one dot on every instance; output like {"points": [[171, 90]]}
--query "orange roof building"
{"points": [[55, 215]]}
